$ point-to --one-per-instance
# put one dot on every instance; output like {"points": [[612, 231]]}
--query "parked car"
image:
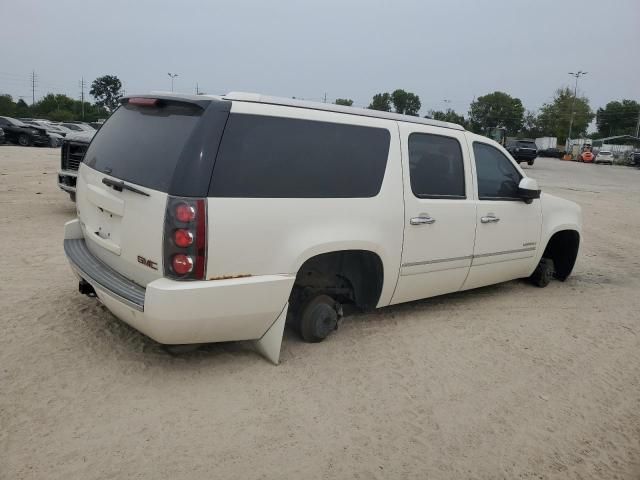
{"points": [[604, 156], [239, 211], [523, 150], [72, 152], [17, 132], [550, 152], [1, 136], [78, 127], [55, 134], [634, 158]]}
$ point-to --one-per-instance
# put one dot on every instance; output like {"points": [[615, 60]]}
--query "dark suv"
{"points": [[523, 150], [17, 132]]}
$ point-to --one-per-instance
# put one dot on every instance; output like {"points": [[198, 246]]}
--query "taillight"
{"points": [[185, 238]]}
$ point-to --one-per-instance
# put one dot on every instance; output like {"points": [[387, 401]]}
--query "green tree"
{"points": [[381, 101], [530, 126], [7, 106], [496, 109], [448, 116], [22, 109], [347, 102], [406, 103], [618, 118], [106, 91], [554, 117]]}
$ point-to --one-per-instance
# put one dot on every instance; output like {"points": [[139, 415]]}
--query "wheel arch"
{"points": [[362, 267], [562, 246]]}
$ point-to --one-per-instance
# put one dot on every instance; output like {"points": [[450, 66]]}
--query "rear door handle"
{"points": [[422, 220], [490, 219]]}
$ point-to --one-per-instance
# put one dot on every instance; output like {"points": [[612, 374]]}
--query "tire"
{"points": [[530, 162], [24, 140], [318, 318], [543, 273]]}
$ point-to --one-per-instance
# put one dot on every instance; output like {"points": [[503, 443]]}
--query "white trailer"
{"points": [[544, 143]]}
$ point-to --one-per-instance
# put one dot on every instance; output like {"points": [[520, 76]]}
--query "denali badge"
{"points": [[148, 263]]}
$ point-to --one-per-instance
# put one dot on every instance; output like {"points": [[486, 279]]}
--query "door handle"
{"points": [[489, 219], [422, 220]]}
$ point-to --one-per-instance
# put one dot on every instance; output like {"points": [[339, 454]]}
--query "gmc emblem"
{"points": [[147, 263]]}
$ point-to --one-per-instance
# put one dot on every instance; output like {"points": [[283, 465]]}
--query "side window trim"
{"points": [[426, 196], [491, 198]]}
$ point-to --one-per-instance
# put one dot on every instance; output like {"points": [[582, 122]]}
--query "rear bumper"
{"points": [[173, 312]]}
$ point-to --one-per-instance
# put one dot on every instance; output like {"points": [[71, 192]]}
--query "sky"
{"points": [[447, 52]]}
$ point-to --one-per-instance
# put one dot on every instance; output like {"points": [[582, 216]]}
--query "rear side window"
{"points": [[436, 168], [142, 144], [277, 157], [498, 178]]}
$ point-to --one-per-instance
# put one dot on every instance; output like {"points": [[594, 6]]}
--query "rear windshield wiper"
{"points": [[120, 185]]}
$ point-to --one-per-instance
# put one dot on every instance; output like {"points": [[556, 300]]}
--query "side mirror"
{"points": [[528, 189]]}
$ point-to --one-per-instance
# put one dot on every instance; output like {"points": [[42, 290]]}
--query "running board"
{"points": [[269, 344]]}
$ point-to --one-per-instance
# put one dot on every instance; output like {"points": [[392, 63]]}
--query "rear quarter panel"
{"points": [[265, 236]]}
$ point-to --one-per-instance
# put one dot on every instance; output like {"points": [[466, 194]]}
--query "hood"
{"points": [[84, 136]]}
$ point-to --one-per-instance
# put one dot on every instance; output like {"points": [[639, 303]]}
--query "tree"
{"points": [[22, 109], [530, 127], [381, 101], [555, 117], [496, 109], [448, 116], [406, 102], [7, 107], [347, 102], [618, 118], [106, 91]]}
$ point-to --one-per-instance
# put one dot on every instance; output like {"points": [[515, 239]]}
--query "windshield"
{"points": [[605, 152]]}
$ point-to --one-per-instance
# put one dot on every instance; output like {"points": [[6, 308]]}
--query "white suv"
{"points": [[208, 219]]}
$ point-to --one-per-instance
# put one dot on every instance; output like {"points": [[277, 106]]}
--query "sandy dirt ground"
{"points": [[504, 382]]}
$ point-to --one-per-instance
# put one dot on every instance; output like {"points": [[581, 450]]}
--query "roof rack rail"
{"points": [[329, 107]]}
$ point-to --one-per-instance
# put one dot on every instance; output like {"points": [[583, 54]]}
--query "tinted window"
{"points": [[497, 177], [436, 168], [526, 144], [143, 144], [277, 157]]}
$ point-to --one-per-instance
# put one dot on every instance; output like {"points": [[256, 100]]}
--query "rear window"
{"points": [[143, 144], [526, 144], [274, 157]]}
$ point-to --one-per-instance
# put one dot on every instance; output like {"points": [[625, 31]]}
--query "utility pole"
{"points": [[34, 77], [82, 97], [172, 75], [197, 90], [578, 74], [638, 125], [325, 98]]}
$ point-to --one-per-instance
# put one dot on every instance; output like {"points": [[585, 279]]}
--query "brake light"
{"points": [[182, 264], [143, 102], [185, 238], [185, 212]]}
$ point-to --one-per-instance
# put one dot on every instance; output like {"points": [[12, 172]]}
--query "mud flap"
{"points": [[269, 344]]}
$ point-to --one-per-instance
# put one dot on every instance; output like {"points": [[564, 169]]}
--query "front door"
{"points": [[508, 229], [440, 212]]}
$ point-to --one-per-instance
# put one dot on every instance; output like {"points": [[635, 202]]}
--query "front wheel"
{"points": [[543, 273], [24, 140], [530, 162], [318, 318]]}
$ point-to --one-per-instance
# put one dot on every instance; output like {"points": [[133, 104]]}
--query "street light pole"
{"points": [[578, 74], [172, 75]]}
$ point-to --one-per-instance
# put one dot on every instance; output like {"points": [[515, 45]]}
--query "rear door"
{"points": [[440, 212], [148, 149]]}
